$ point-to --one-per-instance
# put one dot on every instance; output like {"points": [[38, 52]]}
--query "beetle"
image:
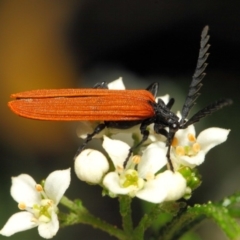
{"points": [[121, 109]]}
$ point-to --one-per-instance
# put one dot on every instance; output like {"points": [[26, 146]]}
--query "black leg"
{"points": [[170, 103], [101, 85], [170, 137], [169, 159], [89, 137], [145, 134], [160, 129]]}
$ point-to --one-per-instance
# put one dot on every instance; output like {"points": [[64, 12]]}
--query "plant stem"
{"points": [[126, 213], [79, 214]]}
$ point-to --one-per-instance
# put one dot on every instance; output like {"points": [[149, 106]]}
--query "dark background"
{"points": [[68, 44]]}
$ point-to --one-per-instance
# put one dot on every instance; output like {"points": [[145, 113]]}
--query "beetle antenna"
{"points": [[213, 107], [198, 75]]}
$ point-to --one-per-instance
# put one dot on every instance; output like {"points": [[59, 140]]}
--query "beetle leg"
{"points": [[170, 103], [101, 85], [89, 137], [145, 134], [169, 145], [160, 129]]}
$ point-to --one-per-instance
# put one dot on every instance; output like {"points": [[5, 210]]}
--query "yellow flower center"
{"points": [[191, 149], [42, 210], [129, 178]]}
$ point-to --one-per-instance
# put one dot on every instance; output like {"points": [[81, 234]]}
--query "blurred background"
{"points": [[71, 44]]}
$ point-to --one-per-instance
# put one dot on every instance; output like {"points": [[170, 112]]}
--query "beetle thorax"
{"points": [[165, 116]]}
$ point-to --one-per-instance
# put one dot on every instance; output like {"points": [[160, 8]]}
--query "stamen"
{"points": [[35, 220], [196, 147], [22, 206], [191, 137], [46, 202], [119, 169], [174, 142], [149, 176], [136, 159], [180, 150], [39, 187]]}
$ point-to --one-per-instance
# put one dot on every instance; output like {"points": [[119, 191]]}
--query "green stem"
{"points": [[126, 213], [179, 225], [193, 215], [79, 214], [148, 219]]}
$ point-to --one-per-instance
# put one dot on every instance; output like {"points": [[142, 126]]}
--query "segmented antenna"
{"points": [[213, 107], [198, 75]]}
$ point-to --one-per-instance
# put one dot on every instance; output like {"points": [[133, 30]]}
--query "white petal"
{"points": [[56, 184], [179, 114], [48, 230], [176, 185], [117, 150], [112, 183], [84, 128], [168, 186], [165, 98], [182, 135], [212, 137], [18, 222], [23, 190], [190, 161], [154, 137], [153, 159], [91, 166], [117, 84], [153, 191]]}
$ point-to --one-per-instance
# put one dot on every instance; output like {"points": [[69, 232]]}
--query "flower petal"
{"points": [[18, 222], [212, 137], [165, 98], [117, 151], [23, 190], [153, 191], [189, 161], [117, 84], [182, 135], [168, 186], [90, 166], [153, 159], [112, 183], [56, 184], [48, 230], [86, 127], [176, 185]]}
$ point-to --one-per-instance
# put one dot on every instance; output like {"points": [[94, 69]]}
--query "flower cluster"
{"points": [[146, 174], [38, 203]]}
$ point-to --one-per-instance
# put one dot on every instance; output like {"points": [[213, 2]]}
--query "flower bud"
{"points": [[91, 166]]}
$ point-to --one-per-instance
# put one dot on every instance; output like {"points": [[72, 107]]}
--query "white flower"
{"points": [[38, 202], [90, 166], [167, 186], [140, 177], [117, 84], [190, 151]]}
